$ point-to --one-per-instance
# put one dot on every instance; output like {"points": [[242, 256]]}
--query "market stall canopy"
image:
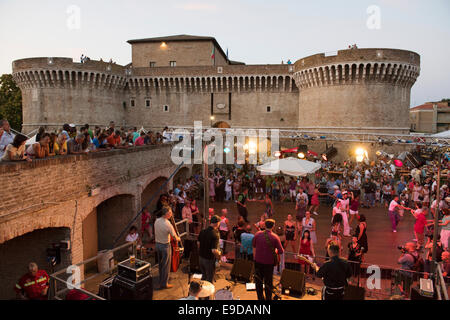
{"points": [[290, 166]]}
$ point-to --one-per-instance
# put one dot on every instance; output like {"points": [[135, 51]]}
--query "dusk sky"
{"points": [[254, 31]]}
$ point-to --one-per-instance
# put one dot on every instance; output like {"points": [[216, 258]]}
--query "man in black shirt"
{"points": [[209, 249], [241, 206], [334, 273]]}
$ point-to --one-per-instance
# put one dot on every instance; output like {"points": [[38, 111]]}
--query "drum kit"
{"points": [[209, 291]]}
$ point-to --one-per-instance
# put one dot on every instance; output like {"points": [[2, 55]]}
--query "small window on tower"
{"points": [[148, 103], [166, 108], [269, 109], [132, 103], [173, 63], [152, 64]]}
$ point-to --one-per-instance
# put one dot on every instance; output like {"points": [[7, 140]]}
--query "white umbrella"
{"points": [[290, 166]]}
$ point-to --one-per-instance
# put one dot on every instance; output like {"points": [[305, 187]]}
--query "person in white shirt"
{"points": [[163, 231], [6, 138], [394, 206], [228, 188], [301, 194], [344, 208]]}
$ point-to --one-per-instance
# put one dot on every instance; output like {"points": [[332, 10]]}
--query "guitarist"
{"points": [[267, 248], [334, 273], [209, 249]]}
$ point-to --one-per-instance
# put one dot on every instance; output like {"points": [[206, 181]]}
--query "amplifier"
{"points": [[133, 271], [426, 288], [124, 289], [104, 289]]}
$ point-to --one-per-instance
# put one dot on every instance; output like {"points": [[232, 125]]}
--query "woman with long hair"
{"points": [[290, 231], [16, 150], [309, 224], [39, 149], [306, 250], [361, 235]]}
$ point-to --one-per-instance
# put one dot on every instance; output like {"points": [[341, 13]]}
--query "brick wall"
{"points": [[54, 193]]}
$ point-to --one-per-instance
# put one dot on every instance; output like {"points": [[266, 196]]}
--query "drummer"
{"points": [[194, 290]]}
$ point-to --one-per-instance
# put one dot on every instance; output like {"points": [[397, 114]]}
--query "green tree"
{"points": [[10, 102]]}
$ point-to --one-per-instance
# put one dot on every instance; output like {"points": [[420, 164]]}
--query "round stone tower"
{"points": [[57, 91], [356, 90]]}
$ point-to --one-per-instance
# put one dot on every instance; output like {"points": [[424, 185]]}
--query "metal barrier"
{"points": [[380, 282]]}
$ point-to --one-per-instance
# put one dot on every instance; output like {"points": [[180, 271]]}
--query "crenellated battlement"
{"points": [[397, 67], [64, 73]]}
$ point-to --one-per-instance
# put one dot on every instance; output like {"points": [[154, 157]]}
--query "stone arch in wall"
{"points": [[17, 253], [113, 215], [151, 190]]}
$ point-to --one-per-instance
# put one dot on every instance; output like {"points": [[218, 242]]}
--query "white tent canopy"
{"points": [[290, 166], [445, 134]]}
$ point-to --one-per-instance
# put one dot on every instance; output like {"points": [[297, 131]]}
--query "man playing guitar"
{"points": [[267, 248], [334, 273]]}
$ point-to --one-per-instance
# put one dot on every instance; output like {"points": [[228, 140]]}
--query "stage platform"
{"points": [[180, 280]]}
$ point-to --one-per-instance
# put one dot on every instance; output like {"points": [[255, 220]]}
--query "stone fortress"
{"points": [[177, 80]]}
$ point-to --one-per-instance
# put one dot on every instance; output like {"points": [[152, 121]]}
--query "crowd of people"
{"points": [[72, 140]]}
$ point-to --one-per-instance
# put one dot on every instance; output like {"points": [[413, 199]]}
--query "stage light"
{"points": [[245, 146], [252, 145], [301, 155], [212, 118], [163, 45], [360, 152], [359, 158], [277, 154], [329, 153], [398, 163], [379, 153], [226, 150]]}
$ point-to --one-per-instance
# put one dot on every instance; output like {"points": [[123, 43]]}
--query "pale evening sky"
{"points": [[254, 31]]}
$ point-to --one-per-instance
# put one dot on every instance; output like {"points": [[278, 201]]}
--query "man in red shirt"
{"points": [[33, 285], [267, 245], [114, 140]]}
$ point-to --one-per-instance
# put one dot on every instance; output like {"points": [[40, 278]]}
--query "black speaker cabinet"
{"points": [[242, 270], [416, 295], [105, 288], [293, 281], [124, 289], [194, 260], [354, 293]]}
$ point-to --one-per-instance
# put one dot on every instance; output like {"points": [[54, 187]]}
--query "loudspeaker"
{"points": [[354, 293], [105, 288], [194, 260], [293, 281], [124, 289], [189, 246], [242, 270], [415, 295]]}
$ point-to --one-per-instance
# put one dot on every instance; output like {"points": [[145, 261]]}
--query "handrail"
{"points": [[440, 278]]}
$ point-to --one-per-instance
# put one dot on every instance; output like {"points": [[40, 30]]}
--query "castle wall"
{"points": [[365, 90], [185, 53], [364, 107], [56, 92]]}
